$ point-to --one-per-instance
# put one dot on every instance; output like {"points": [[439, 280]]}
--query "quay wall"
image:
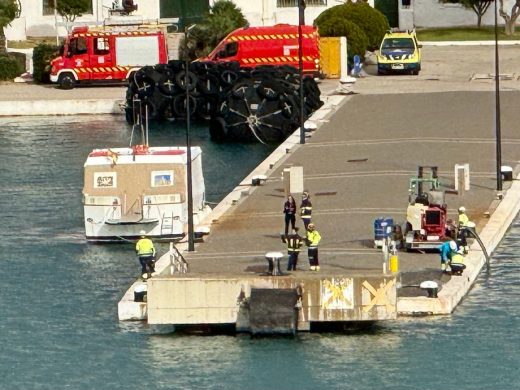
{"points": [[226, 300]]}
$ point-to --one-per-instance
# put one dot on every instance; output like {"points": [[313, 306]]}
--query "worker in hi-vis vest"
{"points": [[463, 225], [306, 210], [146, 252], [313, 239]]}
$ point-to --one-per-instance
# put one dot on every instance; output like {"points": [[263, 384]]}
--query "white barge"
{"points": [[127, 190]]}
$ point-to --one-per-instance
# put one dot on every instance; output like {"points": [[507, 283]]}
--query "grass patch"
{"points": [[464, 34], [31, 42]]}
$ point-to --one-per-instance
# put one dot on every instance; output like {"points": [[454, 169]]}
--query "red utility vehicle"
{"points": [[270, 45], [108, 54]]}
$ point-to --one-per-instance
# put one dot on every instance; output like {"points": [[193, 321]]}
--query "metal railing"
{"points": [[178, 263], [294, 3]]}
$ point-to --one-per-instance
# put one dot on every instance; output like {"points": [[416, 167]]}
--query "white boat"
{"points": [[127, 190]]}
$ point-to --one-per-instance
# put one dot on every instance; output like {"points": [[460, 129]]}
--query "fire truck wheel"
{"points": [[218, 129], [66, 81], [180, 79]]}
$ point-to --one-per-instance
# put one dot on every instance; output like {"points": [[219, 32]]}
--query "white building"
{"points": [[38, 18]]}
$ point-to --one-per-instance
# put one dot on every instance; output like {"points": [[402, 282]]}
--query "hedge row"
{"points": [[11, 66], [42, 56]]}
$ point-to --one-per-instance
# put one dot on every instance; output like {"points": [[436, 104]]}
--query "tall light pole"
{"points": [[301, 22], [497, 107], [191, 241]]}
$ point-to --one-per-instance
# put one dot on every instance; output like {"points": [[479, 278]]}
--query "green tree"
{"points": [[371, 21], [223, 17], [9, 11], [357, 41], [510, 19], [71, 9], [478, 6]]}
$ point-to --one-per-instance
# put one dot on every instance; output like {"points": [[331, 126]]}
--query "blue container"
{"points": [[383, 227]]}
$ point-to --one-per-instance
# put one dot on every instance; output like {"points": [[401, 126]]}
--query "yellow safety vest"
{"points": [[144, 247], [463, 220], [314, 238]]}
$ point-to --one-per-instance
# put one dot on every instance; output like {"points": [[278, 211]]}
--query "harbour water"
{"points": [[59, 326]]}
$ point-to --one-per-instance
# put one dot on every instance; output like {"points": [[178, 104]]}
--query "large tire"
{"points": [[66, 81], [180, 79]]}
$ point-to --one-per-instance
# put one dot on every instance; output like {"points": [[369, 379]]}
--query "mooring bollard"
{"points": [[273, 258], [431, 288]]}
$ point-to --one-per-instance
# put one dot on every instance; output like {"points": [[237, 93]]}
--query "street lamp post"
{"points": [[497, 108], [191, 241], [301, 22]]}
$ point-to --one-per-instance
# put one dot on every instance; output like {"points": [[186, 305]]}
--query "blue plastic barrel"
{"points": [[383, 227]]}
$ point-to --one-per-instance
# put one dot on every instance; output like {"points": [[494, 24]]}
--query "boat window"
{"points": [[162, 178]]}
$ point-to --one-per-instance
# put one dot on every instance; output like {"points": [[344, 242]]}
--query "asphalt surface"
{"points": [[357, 167]]}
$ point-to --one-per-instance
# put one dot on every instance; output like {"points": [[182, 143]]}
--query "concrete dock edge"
{"points": [[458, 286]]}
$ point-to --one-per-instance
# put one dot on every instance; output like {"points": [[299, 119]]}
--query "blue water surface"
{"points": [[58, 301]]}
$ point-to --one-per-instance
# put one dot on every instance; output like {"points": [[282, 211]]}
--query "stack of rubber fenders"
{"points": [[242, 104]]}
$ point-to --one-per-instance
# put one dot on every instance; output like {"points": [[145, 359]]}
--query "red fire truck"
{"points": [[270, 45], [108, 54]]}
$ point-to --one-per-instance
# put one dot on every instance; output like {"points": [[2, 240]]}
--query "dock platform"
{"points": [[356, 166]]}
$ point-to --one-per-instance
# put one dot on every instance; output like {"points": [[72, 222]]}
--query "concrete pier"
{"points": [[356, 165]]}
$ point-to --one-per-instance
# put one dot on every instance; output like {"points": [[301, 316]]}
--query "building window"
{"points": [[294, 3], [406, 3], [48, 8]]}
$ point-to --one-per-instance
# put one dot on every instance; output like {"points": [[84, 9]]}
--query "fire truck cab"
{"points": [[107, 55], [270, 45]]}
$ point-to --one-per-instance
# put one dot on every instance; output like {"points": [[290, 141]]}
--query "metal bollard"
{"points": [[273, 259]]}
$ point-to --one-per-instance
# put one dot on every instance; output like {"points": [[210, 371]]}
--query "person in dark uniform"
{"points": [[294, 243], [306, 209], [289, 209]]}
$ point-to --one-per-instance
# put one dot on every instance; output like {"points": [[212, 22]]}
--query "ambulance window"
{"points": [[231, 49], [101, 46]]}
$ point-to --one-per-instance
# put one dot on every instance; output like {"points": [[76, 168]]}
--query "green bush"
{"points": [[357, 41], [42, 55], [371, 21], [21, 58], [10, 67]]}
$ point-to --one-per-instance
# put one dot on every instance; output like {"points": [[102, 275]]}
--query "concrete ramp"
{"points": [[273, 311]]}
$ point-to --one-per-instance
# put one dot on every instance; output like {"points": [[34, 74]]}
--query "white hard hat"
{"points": [[462, 209], [453, 245], [142, 233]]}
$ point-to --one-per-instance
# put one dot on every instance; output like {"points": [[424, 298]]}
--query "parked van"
{"points": [[399, 53], [110, 54], [270, 45]]}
